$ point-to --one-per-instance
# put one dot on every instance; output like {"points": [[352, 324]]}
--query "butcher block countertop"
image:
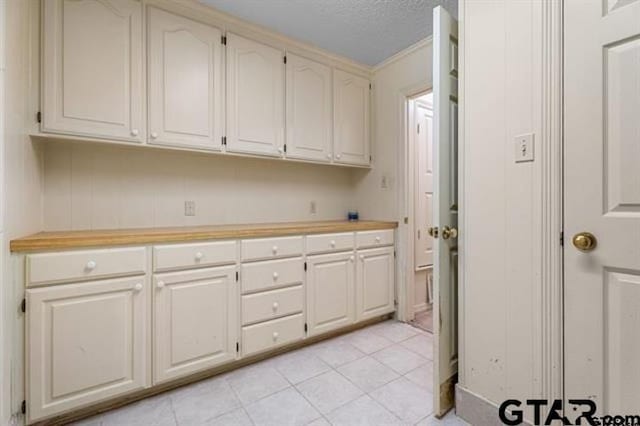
{"points": [[62, 240]]}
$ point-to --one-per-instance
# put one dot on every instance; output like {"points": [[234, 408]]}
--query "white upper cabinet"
{"points": [[309, 106], [255, 97], [92, 83], [185, 82], [350, 118]]}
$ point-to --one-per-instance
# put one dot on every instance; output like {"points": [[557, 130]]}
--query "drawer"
{"points": [[51, 268], [272, 304], [374, 238], [183, 256], [330, 242], [268, 335], [270, 274], [271, 248]]}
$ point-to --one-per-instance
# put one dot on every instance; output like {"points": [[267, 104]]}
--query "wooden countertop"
{"points": [[118, 237]]}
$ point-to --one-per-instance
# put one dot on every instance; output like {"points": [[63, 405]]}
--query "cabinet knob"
{"points": [[134, 132], [275, 335], [338, 156], [274, 249], [351, 258], [362, 257], [329, 156], [377, 239], [275, 275], [333, 243], [199, 256], [137, 287], [154, 135], [91, 265], [275, 306], [160, 284]]}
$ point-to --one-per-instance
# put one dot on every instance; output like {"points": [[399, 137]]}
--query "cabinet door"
{"points": [[255, 97], [309, 106], [330, 292], [375, 283], [92, 68], [185, 82], [195, 323], [86, 342], [350, 118]]}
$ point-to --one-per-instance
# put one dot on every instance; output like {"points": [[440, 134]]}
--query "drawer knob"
{"points": [[275, 335], [160, 284], [351, 258], [329, 156], [333, 243], [91, 265], [137, 287], [134, 132], [274, 249], [275, 275], [154, 135], [275, 306], [377, 239], [199, 256], [338, 156], [362, 257]]}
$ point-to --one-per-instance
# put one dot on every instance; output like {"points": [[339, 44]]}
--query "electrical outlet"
{"points": [[524, 148], [189, 208], [313, 207]]}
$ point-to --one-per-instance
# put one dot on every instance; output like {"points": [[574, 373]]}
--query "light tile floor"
{"points": [[380, 375]]}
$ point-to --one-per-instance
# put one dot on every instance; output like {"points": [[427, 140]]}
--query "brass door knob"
{"points": [[585, 241], [449, 233], [433, 231]]}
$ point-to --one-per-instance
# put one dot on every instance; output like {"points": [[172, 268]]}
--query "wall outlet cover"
{"points": [[524, 148]]}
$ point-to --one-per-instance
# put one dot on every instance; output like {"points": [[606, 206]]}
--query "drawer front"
{"points": [[270, 274], [271, 304], [271, 248], [330, 242], [51, 268], [268, 335], [374, 238], [183, 256]]}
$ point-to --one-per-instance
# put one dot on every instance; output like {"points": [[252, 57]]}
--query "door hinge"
{"points": [[305, 327], [418, 234], [237, 276], [285, 59], [418, 128], [285, 148], [39, 117], [224, 40], [394, 253], [23, 407], [23, 305], [224, 140], [369, 86], [370, 158], [305, 266], [562, 238], [237, 346]]}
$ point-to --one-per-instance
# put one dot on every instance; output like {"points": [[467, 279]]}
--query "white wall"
{"points": [[501, 310], [92, 186]]}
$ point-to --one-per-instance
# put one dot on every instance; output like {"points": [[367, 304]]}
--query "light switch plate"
{"points": [[524, 148]]}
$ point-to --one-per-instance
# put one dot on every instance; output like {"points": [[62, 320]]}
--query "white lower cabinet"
{"points": [[195, 321], [86, 342], [330, 292], [375, 283]]}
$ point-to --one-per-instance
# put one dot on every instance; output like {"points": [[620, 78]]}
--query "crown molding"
{"points": [[401, 54]]}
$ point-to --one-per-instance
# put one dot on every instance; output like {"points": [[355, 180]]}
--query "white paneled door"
{"points": [[350, 118], [255, 97], [423, 137], [602, 204], [185, 82], [92, 51], [309, 107], [445, 207]]}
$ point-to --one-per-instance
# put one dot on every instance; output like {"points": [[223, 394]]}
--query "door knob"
{"points": [[585, 241], [433, 231], [449, 233]]}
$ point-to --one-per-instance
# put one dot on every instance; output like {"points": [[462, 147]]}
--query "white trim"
{"points": [[462, 202], [401, 54]]}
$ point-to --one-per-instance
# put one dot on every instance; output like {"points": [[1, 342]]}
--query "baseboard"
{"points": [[474, 409]]}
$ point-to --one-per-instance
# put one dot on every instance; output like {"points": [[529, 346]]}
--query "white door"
{"points": [[195, 324], [185, 81], [375, 287], [330, 292], [86, 342], [92, 69], [255, 97], [445, 207], [309, 107], [423, 184], [602, 197], [350, 118]]}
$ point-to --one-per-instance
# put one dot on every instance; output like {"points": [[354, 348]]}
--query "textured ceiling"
{"points": [[367, 31]]}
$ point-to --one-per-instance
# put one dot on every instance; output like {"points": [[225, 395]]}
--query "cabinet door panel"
{"points": [[86, 342], [92, 62], [255, 97], [309, 131], [375, 283], [351, 118], [185, 82], [330, 292], [195, 321]]}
